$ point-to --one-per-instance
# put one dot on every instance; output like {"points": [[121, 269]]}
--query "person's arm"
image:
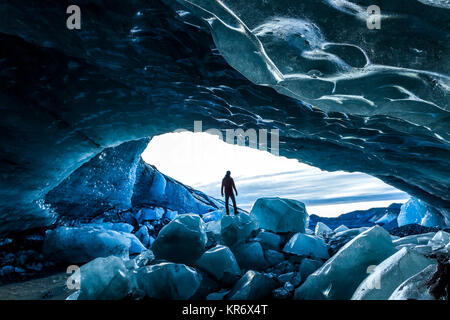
{"points": [[234, 187], [221, 188]]}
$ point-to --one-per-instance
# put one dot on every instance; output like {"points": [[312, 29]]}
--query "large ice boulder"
{"points": [[280, 215], [215, 215], [168, 281], [273, 257], [252, 286], [418, 212], [416, 287], [103, 279], [237, 228], [213, 229], [250, 256], [220, 263], [389, 274], [322, 229], [307, 245], [339, 277], [269, 240], [85, 243], [181, 240], [308, 266]]}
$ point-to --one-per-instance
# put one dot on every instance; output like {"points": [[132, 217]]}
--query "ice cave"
{"points": [[80, 106]]}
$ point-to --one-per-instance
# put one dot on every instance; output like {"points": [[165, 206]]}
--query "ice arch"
{"points": [[136, 70]]}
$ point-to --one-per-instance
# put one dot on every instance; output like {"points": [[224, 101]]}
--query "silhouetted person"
{"points": [[228, 186]]}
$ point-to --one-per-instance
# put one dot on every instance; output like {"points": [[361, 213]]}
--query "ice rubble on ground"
{"points": [[87, 242], [389, 274], [103, 279], [168, 281], [341, 274], [144, 236], [136, 246], [237, 228], [238, 245], [426, 243], [322, 229], [149, 214], [220, 263], [418, 212], [144, 258], [416, 287], [440, 240], [415, 239], [280, 215], [252, 286], [307, 245], [116, 226], [181, 240]]}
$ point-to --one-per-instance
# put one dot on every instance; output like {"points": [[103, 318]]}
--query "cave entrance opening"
{"points": [[200, 161]]}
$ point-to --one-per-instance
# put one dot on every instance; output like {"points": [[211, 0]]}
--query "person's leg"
{"points": [[227, 199], [234, 204]]}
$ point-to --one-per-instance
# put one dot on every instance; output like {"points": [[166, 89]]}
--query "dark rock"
{"points": [[439, 283], [411, 229]]}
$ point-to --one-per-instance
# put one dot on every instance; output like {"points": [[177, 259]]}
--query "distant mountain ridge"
{"points": [[385, 217]]}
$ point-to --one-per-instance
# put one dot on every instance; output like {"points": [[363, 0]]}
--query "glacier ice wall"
{"points": [[104, 183], [118, 180], [343, 97], [323, 53]]}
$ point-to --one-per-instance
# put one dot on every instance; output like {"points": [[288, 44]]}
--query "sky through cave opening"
{"points": [[200, 160]]}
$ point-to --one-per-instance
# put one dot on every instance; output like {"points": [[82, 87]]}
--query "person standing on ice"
{"points": [[228, 186]]}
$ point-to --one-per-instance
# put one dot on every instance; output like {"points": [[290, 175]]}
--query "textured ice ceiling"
{"points": [[344, 97]]}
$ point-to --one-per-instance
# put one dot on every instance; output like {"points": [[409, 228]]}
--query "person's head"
{"points": [[228, 174]]}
